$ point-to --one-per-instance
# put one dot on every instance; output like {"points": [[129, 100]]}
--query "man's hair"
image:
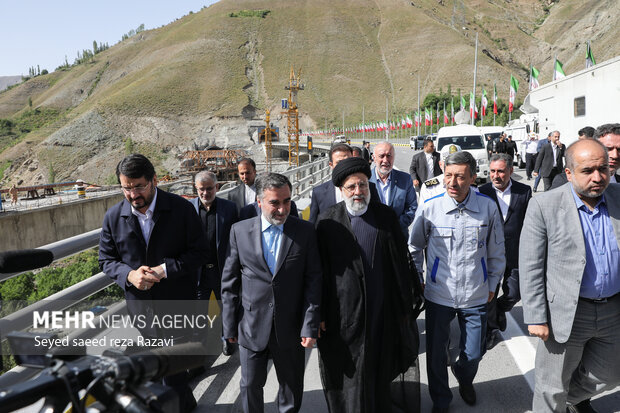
{"points": [[204, 176], [613, 128], [386, 143], [509, 136], [570, 152], [427, 142], [588, 131], [247, 160], [270, 180], [356, 151], [135, 166], [339, 147], [502, 157], [462, 158]]}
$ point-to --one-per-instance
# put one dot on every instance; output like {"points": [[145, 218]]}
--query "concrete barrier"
{"points": [[33, 228]]}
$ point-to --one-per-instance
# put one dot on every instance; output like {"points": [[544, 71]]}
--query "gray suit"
{"points": [[551, 264], [269, 313]]}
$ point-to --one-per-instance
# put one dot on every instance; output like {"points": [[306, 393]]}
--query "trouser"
{"points": [[473, 324], [289, 365], [530, 161], [548, 180], [586, 364], [510, 296]]}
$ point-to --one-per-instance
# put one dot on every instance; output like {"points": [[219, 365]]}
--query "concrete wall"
{"points": [[34, 228]]}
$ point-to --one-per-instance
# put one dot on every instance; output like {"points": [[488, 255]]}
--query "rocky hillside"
{"points": [[207, 78]]}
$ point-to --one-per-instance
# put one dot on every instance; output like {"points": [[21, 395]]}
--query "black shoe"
{"points": [[493, 338], [501, 320], [581, 407], [439, 409], [467, 392], [196, 371], [535, 190], [227, 348]]}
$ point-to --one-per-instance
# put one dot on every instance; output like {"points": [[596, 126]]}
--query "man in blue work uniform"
{"points": [[464, 239]]}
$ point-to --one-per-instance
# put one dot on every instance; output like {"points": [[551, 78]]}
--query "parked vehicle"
{"points": [[470, 139], [417, 142]]}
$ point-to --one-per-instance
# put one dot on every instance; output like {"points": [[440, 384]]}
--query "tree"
{"points": [[128, 146], [30, 102], [95, 49]]}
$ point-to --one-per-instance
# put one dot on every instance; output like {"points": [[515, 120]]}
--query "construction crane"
{"points": [[292, 116], [268, 148]]}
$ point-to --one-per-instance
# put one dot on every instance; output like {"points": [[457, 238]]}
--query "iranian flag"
{"points": [[403, 123], [514, 87], [445, 115], [494, 98], [473, 111], [534, 78], [462, 102], [484, 102], [409, 122], [418, 119], [589, 57], [558, 72], [452, 110], [427, 118]]}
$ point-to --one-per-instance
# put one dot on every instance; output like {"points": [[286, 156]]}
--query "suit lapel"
{"points": [[613, 208], [569, 208], [132, 222], [392, 187], [257, 239], [286, 241], [331, 193], [423, 168]]}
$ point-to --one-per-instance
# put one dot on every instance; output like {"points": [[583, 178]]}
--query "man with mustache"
{"points": [[271, 291], [367, 296], [152, 246], [511, 198], [462, 233], [570, 283]]}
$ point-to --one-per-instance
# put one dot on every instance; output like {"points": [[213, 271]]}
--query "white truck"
{"points": [[589, 97], [470, 139]]}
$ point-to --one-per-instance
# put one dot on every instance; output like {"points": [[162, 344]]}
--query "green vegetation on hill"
{"points": [[250, 13], [12, 130]]}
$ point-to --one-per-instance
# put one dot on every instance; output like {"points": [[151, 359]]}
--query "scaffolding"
{"points": [[268, 147], [222, 162], [292, 116]]}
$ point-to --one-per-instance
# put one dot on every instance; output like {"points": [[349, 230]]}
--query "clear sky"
{"points": [[42, 32]]}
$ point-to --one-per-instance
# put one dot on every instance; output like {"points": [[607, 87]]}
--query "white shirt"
{"points": [[530, 146], [250, 194], [503, 199], [146, 224], [429, 165], [339, 197]]}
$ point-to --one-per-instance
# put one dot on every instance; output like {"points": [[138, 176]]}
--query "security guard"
{"points": [[463, 235], [435, 186]]}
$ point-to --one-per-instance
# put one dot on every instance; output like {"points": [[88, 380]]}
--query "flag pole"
{"points": [[418, 127], [473, 122], [509, 112]]}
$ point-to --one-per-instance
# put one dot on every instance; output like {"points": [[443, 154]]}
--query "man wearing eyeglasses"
{"points": [[152, 245], [367, 296]]}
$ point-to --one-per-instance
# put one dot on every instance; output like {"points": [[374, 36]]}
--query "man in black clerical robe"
{"points": [[367, 338]]}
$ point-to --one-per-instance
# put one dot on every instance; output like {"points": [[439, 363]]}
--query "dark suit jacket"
{"points": [[252, 210], [403, 199], [366, 154], [519, 199], [176, 239], [544, 161], [237, 195], [419, 169], [254, 301], [324, 196], [225, 216]]}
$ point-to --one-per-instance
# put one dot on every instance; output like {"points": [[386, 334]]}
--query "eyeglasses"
{"points": [[363, 186], [140, 189]]}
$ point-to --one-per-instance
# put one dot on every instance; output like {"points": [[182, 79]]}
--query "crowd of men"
{"points": [[348, 280]]}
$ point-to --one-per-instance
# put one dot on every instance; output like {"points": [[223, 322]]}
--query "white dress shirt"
{"points": [[250, 194], [503, 199], [147, 223], [429, 166]]}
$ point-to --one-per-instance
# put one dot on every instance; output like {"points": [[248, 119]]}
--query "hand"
{"points": [[143, 278], [540, 331], [416, 182], [535, 173], [321, 328], [491, 295], [232, 340], [308, 342], [158, 272]]}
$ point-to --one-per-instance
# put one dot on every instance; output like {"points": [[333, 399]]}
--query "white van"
{"points": [[470, 139]]}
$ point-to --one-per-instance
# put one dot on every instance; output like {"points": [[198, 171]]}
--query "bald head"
{"points": [[587, 168], [384, 158]]}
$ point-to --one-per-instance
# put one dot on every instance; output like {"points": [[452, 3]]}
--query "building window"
{"points": [[580, 106]]}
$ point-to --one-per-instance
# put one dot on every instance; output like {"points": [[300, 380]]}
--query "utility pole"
{"points": [[473, 117]]}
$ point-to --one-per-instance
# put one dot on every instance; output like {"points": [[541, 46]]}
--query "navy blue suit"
{"points": [[253, 210], [324, 196], [176, 240], [402, 197]]}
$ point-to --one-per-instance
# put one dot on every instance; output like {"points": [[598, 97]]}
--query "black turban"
{"points": [[348, 167]]}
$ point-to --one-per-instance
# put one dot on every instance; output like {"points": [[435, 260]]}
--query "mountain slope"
{"points": [[208, 77]]}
